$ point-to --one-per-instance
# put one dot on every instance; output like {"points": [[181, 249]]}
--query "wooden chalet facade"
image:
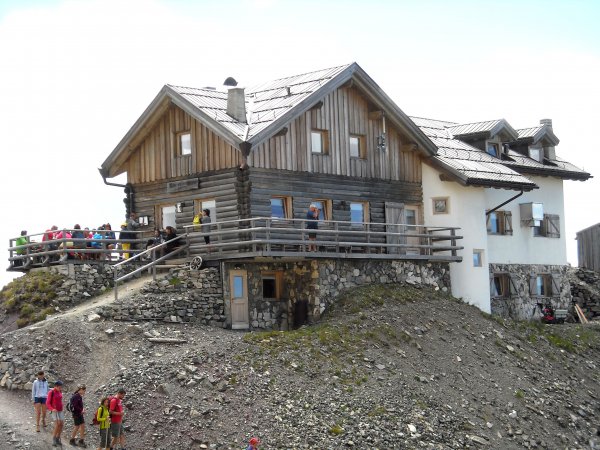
{"points": [[330, 137]]}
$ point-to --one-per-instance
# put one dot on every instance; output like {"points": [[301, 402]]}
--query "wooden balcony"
{"points": [[261, 238]]}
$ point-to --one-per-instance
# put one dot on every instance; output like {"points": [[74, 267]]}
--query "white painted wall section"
{"points": [[523, 247], [467, 207]]}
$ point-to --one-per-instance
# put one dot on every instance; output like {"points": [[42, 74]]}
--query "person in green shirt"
{"points": [[20, 242]]}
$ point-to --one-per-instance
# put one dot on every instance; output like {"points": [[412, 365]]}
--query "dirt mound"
{"points": [[389, 367]]}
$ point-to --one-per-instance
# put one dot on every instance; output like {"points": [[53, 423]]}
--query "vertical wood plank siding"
{"points": [[344, 112], [588, 248], [156, 158]]}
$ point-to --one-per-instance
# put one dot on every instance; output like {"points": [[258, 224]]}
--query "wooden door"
{"points": [[394, 219], [238, 288]]}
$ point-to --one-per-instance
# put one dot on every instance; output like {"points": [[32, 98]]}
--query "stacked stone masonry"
{"points": [[519, 303], [585, 288], [183, 296]]}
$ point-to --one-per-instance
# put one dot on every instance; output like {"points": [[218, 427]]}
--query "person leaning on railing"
{"points": [[19, 243]]}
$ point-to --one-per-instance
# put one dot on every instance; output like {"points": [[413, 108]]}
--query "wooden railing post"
{"points": [[268, 234], [453, 240]]}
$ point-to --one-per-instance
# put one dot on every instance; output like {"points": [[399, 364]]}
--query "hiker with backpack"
{"points": [[55, 406], [75, 406], [39, 394], [102, 419], [116, 412]]}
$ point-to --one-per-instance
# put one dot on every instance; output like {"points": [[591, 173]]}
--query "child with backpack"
{"points": [[102, 419]]}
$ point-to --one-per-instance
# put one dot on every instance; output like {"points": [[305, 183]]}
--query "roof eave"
{"points": [[564, 174], [159, 105]]}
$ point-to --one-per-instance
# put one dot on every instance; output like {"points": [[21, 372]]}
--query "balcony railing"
{"points": [[254, 237]]}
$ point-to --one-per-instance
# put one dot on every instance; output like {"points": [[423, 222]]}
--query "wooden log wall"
{"points": [[304, 188], [223, 186], [344, 112], [156, 157], [588, 248]]}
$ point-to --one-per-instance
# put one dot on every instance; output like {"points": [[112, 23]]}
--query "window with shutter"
{"points": [[499, 222], [514, 282], [556, 280], [552, 225], [508, 229]]}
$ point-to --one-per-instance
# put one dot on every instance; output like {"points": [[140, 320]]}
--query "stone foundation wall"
{"points": [[585, 289], [520, 305], [183, 296], [315, 285]]}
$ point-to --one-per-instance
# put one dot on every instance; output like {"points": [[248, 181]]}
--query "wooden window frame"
{"points": [[495, 145], [276, 275], [365, 214], [504, 219], [447, 205], [158, 217], [480, 253], [549, 227], [362, 146], [180, 143], [288, 212], [198, 207], [327, 208], [324, 141]]}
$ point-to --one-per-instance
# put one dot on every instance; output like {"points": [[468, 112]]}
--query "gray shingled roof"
{"points": [[471, 165], [535, 134], [491, 127], [265, 103], [556, 167]]}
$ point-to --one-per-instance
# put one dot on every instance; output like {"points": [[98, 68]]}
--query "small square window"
{"points": [[272, 284], [319, 142], [440, 205], [238, 286], [281, 207], [534, 153], [493, 149], [477, 258], [185, 144]]}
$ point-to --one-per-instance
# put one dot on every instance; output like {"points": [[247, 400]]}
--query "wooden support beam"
{"points": [[409, 147], [375, 115]]}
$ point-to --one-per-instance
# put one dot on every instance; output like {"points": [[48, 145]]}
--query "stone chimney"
{"points": [[547, 122], [236, 104]]}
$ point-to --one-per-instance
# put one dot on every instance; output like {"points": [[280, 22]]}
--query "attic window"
{"points": [[493, 149], [319, 142], [535, 153], [357, 147], [185, 144]]}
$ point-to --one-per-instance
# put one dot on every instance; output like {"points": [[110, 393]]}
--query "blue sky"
{"points": [[77, 74]]}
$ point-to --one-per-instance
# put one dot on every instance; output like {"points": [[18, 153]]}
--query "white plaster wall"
{"points": [[522, 247], [467, 211]]}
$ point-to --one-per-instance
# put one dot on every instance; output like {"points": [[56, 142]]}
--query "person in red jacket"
{"points": [[54, 404], [116, 419]]}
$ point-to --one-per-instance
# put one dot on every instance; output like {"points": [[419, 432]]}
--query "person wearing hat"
{"points": [[78, 420], [253, 444], [55, 406]]}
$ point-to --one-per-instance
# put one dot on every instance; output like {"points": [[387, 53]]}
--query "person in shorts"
{"points": [[39, 393], [78, 421], [116, 419], [54, 404]]}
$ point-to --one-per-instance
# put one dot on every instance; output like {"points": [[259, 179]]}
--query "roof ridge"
{"points": [[481, 121]]}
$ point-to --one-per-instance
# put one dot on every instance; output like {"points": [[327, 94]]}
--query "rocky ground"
{"points": [[388, 368]]}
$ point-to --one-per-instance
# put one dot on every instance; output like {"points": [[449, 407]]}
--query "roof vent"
{"points": [[547, 122], [230, 81]]}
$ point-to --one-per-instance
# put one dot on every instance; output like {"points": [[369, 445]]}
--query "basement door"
{"points": [[395, 219], [238, 288]]}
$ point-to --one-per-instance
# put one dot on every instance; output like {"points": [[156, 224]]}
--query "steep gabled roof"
{"points": [[466, 164], [487, 129], [270, 107], [536, 134]]}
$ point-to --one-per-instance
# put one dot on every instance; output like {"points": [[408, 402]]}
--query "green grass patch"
{"points": [[30, 296]]}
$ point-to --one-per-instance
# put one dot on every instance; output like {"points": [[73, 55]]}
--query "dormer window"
{"points": [[493, 149], [535, 153]]}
